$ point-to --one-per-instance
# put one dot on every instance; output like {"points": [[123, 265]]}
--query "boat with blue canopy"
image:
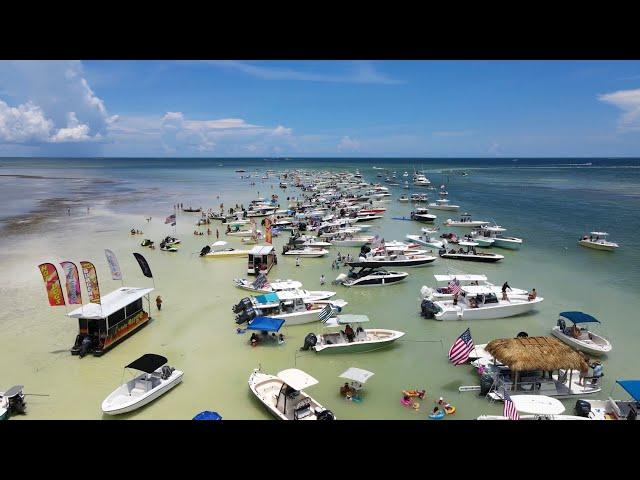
{"points": [[611, 409], [579, 336]]}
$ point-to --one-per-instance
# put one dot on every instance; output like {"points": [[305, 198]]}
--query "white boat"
{"points": [[351, 240], [280, 286], [287, 305], [611, 409], [156, 380], [443, 204], [580, 338], [465, 222], [403, 199], [420, 180], [370, 277], [541, 407], [470, 254], [241, 233], [392, 260], [598, 241], [421, 214], [220, 250], [363, 340], [237, 223], [477, 302], [307, 252], [443, 290], [284, 395], [428, 240], [493, 236]]}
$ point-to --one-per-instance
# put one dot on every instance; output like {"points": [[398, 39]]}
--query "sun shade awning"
{"points": [[297, 379], [13, 391], [357, 375], [267, 324], [149, 362], [110, 303], [632, 387], [579, 317]]}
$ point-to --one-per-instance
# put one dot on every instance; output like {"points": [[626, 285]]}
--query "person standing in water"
{"points": [[322, 279], [297, 261], [159, 302]]}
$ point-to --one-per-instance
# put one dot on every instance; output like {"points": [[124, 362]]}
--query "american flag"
{"points": [[509, 409], [459, 351], [171, 219], [454, 286]]}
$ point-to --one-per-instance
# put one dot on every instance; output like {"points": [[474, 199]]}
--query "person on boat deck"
{"points": [[532, 295], [575, 331], [584, 371], [597, 369], [505, 285], [348, 331], [455, 299]]}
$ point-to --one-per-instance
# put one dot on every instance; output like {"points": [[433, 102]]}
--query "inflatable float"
{"points": [[414, 393], [450, 410], [437, 416]]}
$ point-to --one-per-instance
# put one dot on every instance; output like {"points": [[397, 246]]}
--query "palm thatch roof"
{"points": [[535, 353]]}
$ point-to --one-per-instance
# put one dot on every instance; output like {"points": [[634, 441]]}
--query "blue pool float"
{"points": [[437, 416]]}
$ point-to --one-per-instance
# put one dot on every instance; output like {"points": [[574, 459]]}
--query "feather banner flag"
{"points": [[91, 279], [114, 266], [52, 284], [74, 295], [267, 230], [144, 266]]}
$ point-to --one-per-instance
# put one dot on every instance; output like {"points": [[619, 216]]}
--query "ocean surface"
{"points": [[549, 203]]}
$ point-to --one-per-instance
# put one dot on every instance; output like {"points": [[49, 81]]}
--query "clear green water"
{"points": [[549, 203]]}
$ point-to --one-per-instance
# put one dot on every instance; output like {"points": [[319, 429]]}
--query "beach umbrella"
{"points": [[207, 415], [357, 375]]}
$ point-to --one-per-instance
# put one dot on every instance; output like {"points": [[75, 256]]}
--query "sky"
{"points": [[320, 108]]}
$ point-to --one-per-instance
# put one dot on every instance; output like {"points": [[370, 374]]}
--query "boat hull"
{"points": [[598, 246], [393, 263], [376, 282], [590, 347], [511, 244], [362, 346], [125, 407], [501, 310], [473, 258]]}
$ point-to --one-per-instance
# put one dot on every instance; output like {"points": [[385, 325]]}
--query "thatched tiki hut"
{"points": [[534, 354]]}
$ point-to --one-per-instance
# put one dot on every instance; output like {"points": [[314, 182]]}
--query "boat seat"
{"points": [[140, 385], [137, 391]]}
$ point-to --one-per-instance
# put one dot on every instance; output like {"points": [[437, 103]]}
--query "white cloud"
{"points": [[235, 135], [24, 124], [347, 144], [629, 102], [75, 131], [57, 98], [359, 72]]}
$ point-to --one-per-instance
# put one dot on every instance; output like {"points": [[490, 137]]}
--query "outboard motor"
{"points": [[247, 315], [309, 341], [562, 324], [242, 305], [442, 251], [428, 309], [167, 371], [364, 250], [206, 249], [302, 227], [582, 408], [85, 345], [326, 415], [486, 382]]}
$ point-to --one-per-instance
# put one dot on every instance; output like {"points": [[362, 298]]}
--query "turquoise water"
{"points": [[547, 202]]}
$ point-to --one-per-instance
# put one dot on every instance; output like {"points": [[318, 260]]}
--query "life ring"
{"points": [[450, 410], [416, 406], [437, 416], [404, 402]]}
